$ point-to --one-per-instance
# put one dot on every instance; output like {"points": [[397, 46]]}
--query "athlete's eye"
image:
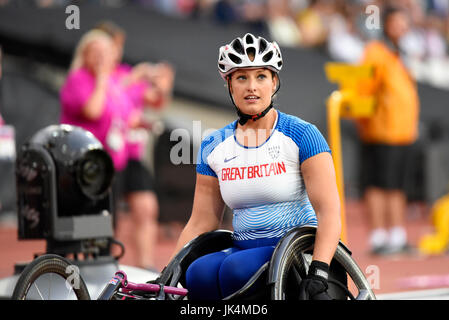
{"points": [[261, 76], [241, 77]]}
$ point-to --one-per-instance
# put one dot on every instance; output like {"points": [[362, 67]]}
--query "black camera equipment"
{"points": [[63, 178]]}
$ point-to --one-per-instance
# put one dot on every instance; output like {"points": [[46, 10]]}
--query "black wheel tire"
{"points": [[48, 263], [304, 243]]}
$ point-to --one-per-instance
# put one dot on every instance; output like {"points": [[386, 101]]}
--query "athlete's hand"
{"points": [[314, 286]]}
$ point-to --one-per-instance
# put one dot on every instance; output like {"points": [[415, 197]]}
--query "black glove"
{"points": [[314, 286]]}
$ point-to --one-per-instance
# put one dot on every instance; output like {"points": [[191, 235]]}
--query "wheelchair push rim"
{"points": [[294, 257]]}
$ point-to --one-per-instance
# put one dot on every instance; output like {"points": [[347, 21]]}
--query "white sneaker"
{"points": [[397, 237], [378, 240]]}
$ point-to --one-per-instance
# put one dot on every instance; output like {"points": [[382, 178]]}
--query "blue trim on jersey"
{"points": [[271, 134], [307, 137]]}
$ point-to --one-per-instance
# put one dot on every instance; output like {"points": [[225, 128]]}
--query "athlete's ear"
{"points": [[275, 82], [228, 84]]}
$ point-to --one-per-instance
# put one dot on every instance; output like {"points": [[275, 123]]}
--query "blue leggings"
{"points": [[217, 275]]}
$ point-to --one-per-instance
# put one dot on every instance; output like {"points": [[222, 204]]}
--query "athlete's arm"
{"points": [[319, 178], [207, 212]]}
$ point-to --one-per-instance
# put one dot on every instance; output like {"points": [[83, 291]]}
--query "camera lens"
{"points": [[91, 172], [95, 174]]}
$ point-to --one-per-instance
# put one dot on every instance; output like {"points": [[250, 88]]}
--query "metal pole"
{"points": [[334, 104]]}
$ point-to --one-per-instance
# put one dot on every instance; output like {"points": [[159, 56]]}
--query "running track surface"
{"points": [[386, 274]]}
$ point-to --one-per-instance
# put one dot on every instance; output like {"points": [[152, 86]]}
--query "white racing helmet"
{"points": [[237, 55]]}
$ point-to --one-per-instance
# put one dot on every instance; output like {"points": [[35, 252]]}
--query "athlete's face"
{"points": [[252, 89]]}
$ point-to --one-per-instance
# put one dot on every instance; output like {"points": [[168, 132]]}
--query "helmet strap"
{"points": [[243, 117]]}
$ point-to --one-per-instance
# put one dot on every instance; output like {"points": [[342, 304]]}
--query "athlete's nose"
{"points": [[251, 85]]}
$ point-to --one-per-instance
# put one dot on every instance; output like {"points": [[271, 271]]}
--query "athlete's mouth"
{"points": [[251, 97]]}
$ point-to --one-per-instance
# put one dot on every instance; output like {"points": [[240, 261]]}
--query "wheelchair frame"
{"points": [[277, 269], [290, 258]]}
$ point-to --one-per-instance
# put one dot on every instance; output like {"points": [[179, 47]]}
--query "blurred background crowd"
{"points": [[339, 27]]}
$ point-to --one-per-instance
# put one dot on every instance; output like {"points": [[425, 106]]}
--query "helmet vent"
{"points": [[267, 56], [251, 53], [234, 58], [238, 47], [262, 45]]}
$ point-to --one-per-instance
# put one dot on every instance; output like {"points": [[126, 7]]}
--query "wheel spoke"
{"points": [[70, 290], [38, 277], [38, 291]]}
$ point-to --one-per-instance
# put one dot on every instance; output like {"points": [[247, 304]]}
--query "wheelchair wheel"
{"points": [[50, 277], [295, 260]]}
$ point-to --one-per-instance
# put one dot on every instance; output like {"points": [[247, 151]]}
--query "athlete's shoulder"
{"points": [[289, 119], [304, 134], [218, 136], [292, 126], [208, 145]]}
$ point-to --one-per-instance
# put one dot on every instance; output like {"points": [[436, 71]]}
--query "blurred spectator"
{"points": [[51, 3], [387, 136], [166, 6], [254, 16], [186, 7], [202, 8], [225, 12], [312, 23], [440, 7], [436, 44], [344, 41], [338, 25], [137, 182], [95, 97], [89, 96], [282, 26]]}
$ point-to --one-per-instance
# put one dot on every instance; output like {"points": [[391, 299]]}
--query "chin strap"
{"points": [[243, 117]]}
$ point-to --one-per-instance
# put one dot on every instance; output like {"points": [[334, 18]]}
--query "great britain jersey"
{"points": [[263, 185]]}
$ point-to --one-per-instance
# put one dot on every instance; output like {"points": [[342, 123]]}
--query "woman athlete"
{"points": [[275, 172]]}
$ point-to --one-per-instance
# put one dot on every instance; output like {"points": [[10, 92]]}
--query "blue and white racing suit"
{"points": [[265, 189]]}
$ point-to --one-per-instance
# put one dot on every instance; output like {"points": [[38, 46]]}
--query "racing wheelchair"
{"points": [[63, 188], [282, 274]]}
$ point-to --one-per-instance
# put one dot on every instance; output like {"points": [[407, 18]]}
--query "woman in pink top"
{"points": [[93, 98], [137, 181], [96, 97]]}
